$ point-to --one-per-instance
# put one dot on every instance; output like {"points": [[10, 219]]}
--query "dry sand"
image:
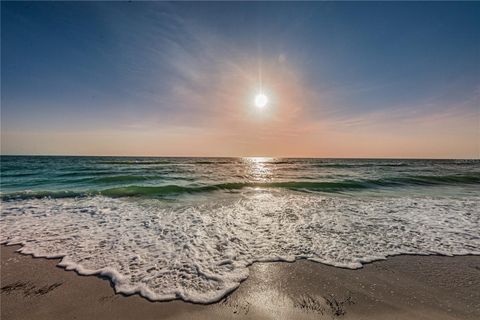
{"points": [[402, 287]]}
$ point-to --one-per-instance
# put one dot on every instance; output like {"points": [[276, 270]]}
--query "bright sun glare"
{"points": [[261, 100]]}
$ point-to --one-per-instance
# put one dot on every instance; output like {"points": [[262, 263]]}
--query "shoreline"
{"points": [[400, 287], [99, 274]]}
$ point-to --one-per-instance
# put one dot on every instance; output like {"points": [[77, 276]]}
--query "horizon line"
{"points": [[228, 157]]}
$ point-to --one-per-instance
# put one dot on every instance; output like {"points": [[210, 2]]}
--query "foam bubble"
{"points": [[200, 250]]}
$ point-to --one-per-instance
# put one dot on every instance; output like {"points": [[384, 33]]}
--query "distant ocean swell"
{"points": [[346, 185]]}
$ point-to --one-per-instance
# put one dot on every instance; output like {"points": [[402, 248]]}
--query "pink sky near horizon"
{"points": [[230, 125]]}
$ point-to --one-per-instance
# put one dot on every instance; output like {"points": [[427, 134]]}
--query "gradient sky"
{"points": [[179, 79]]}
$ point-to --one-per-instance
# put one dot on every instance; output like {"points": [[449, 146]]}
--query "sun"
{"points": [[261, 100]]}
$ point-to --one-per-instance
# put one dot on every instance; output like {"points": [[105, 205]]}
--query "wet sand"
{"points": [[402, 287]]}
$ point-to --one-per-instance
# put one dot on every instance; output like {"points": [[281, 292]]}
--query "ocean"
{"points": [[188, 228]]}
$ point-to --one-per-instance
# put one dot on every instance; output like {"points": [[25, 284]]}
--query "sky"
{"points": [[343, 79]]}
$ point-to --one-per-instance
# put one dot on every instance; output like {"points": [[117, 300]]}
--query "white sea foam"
{"points": [[200, 251]]}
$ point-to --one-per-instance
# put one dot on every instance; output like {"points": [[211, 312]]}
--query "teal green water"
{"points": [[24, 177]]}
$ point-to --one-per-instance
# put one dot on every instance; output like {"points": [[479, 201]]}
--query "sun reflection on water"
{"points": [[258, 169]]}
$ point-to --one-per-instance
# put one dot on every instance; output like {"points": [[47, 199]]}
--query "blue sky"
{"points": [[165, 73]]}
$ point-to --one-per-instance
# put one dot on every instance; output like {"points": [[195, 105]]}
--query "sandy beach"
{"points": [[401, 287]]}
